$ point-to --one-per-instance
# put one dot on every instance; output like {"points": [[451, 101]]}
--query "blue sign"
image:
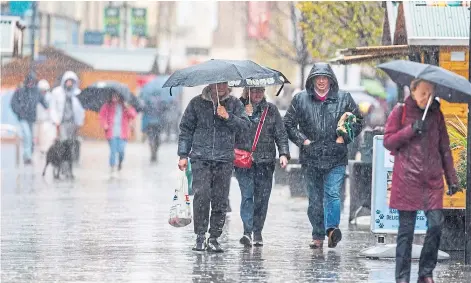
{"points": [[93, 38], [385, 220], [19, 8]]}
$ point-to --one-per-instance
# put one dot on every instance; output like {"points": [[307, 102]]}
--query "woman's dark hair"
{"points": [[117, 94]]}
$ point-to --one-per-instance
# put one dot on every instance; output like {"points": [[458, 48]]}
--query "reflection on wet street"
{"points": [[102, 229]]}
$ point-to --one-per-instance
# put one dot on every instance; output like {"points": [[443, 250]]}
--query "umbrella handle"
{"points": [[249, 101], [427, 107], [171, 90], [278, 93], [217, 93]]}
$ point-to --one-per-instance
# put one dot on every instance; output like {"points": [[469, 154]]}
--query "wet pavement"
{"points": [[102, 229]]}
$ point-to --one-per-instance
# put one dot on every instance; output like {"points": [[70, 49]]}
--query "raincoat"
{"points": [[58, 101], [420, 160], [317, 121], [205, 134]]}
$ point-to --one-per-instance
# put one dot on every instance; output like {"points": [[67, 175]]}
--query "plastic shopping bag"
{"points": [[180, 212]]}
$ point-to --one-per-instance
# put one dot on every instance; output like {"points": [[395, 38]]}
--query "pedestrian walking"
{"points": [[154, 111], [115, 118], [46, 132], [66, 111], [256, 182], [422, 154], [207, 135], [323, 147], [24, 104]]}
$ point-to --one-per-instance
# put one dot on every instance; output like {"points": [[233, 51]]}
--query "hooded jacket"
{"points": [[317, 121], [58, 99], [25, 100], [273, 133], [206, 136]]}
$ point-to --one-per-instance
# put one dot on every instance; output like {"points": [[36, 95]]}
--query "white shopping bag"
{"points": [[180, 212]]}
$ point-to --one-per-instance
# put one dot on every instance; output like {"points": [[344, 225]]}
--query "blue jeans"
{"points": [[117, 146], [255, 186], [26, 128], [323, 186]]}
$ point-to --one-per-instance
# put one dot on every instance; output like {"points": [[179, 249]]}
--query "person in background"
{"points": [[312, 122], [46, 131], [256, 182], [422, 154], [115, 118], [24, 104], [66, 111], [207, 136], [154, 111]]}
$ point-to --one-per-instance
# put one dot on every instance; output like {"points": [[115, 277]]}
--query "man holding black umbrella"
{"points": [[207, 135]]}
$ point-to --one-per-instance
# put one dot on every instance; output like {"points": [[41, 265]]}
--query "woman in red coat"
{"points": [[422, 156]]}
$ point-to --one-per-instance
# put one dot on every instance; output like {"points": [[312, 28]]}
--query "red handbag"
{"points": [[244, 158]]}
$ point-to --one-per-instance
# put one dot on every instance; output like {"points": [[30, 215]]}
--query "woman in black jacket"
{"points": [[256, 182]]}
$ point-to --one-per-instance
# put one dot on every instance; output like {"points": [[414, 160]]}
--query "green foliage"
{"points": [[458, 133], [330, 26]]}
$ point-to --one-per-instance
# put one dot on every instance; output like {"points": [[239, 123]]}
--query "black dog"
{"points": [[58, 153]]}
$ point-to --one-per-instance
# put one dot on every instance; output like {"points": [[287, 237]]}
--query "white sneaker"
{"points": [[113, 172]]}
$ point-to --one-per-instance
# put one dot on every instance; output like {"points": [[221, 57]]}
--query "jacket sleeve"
{"points": [[281, 136], [447, 158], [130, 112], [396, 134], [15, 102], [187, 129], [79, 112], [353, 108], [104, 116], [238, 121], [291, 121]]}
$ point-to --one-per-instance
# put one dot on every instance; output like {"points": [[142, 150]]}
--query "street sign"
{"points": [[19, 8], [112, 26], [385, 220], [93, 38]]}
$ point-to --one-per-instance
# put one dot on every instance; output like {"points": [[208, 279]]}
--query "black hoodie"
{"points": [[317, 121], [25, 99]]}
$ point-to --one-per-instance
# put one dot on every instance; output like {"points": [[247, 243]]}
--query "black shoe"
{"points": [[200, 245], [246, 240], [335, 236], [213, 246], [120, 166], [258, 240], [153, 158]]}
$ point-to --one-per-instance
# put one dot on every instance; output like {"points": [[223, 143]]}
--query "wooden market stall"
{"points": [[91, 64], [437, 35]]}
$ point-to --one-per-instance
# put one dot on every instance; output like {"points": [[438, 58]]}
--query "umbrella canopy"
{"points": [[94, 96], [240, 73], [374, 88], [154, 88], [448, 85]]}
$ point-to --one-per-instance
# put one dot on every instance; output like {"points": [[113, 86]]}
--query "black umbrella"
{"points": [[239, 73], [448, 85], [94, 96]]}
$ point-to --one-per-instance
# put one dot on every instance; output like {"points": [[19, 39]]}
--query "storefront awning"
{"points": [[369, 53]]}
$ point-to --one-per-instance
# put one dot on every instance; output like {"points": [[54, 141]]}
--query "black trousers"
{"points": [[405, 236], [211, 183], [153, 133]]}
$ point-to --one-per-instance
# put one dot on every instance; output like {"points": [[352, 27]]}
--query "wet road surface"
{"points": [[102, 229]]}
